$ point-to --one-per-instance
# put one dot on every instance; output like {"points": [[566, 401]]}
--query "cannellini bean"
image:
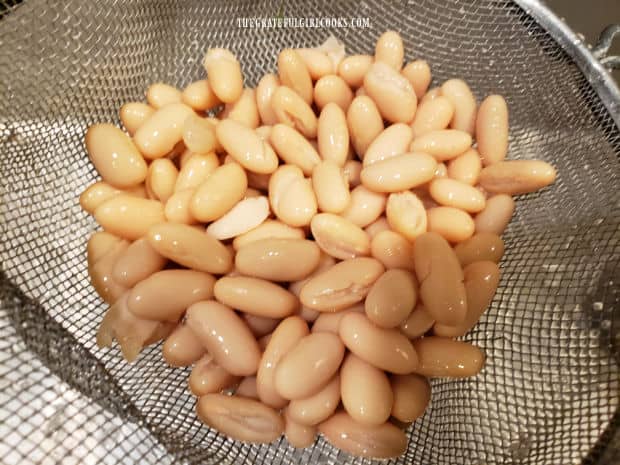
{"points": [[208, 377], [342, 285], [443, 144], [292, 110], [392, 249], [431, 94], [195, 171], [392, 298], [412, 394], [392, 93], [452, 193], [103, 251], [278, 259], [270, 229], [418, 73], [365, 206], [99, 244], [219, 193], [333, 134], [190, 247], [134, 114], [263, 341], [516, 177], [480, 247], [243, 217], [291, 196], [369, 402], [198, 134], [296, 434], [294, 148], [260, 326], [264, 91], [386, 349], [286, 335], [128, 216], [399, 173], [331, 187], [115, 157], [394, 140], [244, 110], [332, 89], [161, 178], [432, 115], [244, 145], [162, 130], [441, 279], [492, 129], [160, 94], [352, 170], [496, 215], [383, 441], [182, 347], [481, 280], [255, 296], [247, 388], [339, 237], [365, 123], [200, 96], [317, 62], [224, 73], [446, 358], [390, 50], [242, 419], [99, 192], [225, 336], [318, 407], [406, 214], [294, 74], [330, 322], [466, 167], [131, 332], [137, 262], [325, 262], [418, 323], [353, 69], [165, 295], [308, 366], [458, 92], [374, 228], [454, 224], [177, 208]]}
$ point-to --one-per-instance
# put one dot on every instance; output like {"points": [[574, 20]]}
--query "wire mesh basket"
{"points": [[549, 392]]}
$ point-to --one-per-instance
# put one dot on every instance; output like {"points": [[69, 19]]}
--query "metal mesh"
{"points": [[550, 389]]}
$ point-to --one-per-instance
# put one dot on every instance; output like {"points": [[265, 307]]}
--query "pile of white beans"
{"points": [[352, 231]]}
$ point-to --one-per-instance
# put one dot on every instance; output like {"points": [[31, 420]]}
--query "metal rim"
{"points": [[594, 71]]}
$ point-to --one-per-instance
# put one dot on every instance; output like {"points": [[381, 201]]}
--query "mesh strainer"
{"points": [[550, 390]]}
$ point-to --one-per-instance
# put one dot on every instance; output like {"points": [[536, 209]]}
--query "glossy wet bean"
{"points": [[399, 173], [365, 206], [224, 74], [454, 224], [392, 93], [283, 339], [466, 167], [394, 140], [160, 94], [128, 216], [353, 69], [459, 93], [418, 323], [270, 229], [418, 73], [242, 419], [432, 115], [452, 193], [386, 349], [330, 322], [392, 298], [516, 177], [103, 251], [244, 110], [208, 377], [296, 434], [291, 196], [294, 148], [244, 145], [182, 347], [412, 394], [190, 247], [481, 280], [200, 96], [332, 89], [162, 130], [308, 366], [333, 134], [406, 214], [317, 62], [496, 215], [219, 193], [134, 114], [264, 91], [364, 122], [446, 358], [390, 50], [392, 249], [225, 336], [292, 110], [383, 441], [441, 279], [479, 247], [294, 74], [318, 407], [492, 129], [243, 217], [339, 237], [255, 296], [196, 170], [137, 262]]}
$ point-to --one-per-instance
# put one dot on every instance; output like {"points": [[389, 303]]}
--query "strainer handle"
{"points": [[604, 44]]}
